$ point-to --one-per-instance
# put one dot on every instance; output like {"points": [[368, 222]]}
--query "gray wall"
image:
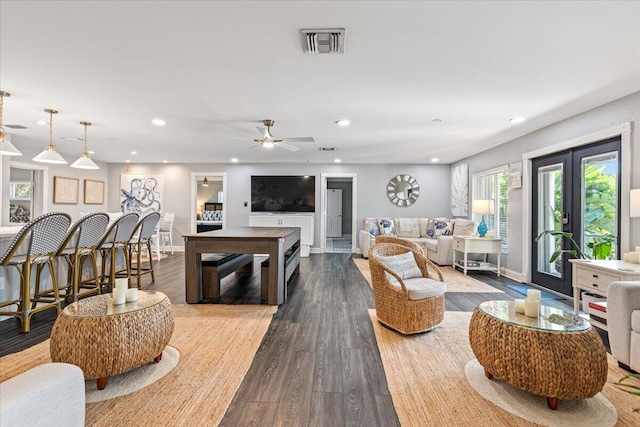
{"points": [[372, 182], [615, 113], [347, 201]]}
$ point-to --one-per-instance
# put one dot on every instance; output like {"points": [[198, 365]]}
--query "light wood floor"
{"points": [[319, 359]]}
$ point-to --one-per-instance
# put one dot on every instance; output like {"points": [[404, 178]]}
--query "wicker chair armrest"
{"points": [[428, 267], [395, 275]]}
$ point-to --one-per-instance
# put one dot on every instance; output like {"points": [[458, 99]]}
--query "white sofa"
{"points": [[49, 395], [623, 322], [435, 235]]}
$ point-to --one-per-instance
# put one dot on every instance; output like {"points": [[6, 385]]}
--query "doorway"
{"points": [[575, 191], [338, 213], [208, 197]]}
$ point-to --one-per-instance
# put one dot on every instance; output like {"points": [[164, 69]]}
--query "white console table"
{"points": [[481, 245], [595, 275]]}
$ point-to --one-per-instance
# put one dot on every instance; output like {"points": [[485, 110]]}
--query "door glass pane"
{"points": [[549, 216], [599, 188]]}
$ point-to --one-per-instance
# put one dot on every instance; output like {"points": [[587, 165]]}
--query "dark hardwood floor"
{"points": [[318, 363]]}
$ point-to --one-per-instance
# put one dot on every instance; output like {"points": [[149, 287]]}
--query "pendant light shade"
{"points": [[85, 162], [205, 182], [6, 147], [50, 155]]}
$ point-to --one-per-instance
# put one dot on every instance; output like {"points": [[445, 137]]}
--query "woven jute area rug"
{"points": [[456, 281], [216, 343], [426, 377]]}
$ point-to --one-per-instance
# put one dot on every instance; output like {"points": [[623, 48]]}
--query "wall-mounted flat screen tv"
{"points": [[283, 193]]}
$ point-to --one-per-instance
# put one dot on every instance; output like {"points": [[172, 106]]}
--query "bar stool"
{"points": [[116, 238], [144, 232], [81, 242], [45, 234], [165, 229]]}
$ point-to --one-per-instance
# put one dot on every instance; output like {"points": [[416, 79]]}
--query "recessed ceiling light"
{"points": [[517, 120], [337, 160], [343, 122], [435, 160], [158, 122], [134, 152], [165, 161], [127, 161], [234, 160], [41, 122]]}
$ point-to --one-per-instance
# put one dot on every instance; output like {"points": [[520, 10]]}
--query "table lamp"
{"points": [[482, 206], [634, 203]]}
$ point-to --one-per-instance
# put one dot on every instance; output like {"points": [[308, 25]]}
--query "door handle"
{"points": [[565, 218]]}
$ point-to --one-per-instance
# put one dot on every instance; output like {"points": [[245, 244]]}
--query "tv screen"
{"points": [[283, 193]]}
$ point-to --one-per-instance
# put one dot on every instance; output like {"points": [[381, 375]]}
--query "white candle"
{"points": [[531, 307], [625, 257], [132, 294], [122, 283], [534, 294], [637, 248], [119, 296], [519, 305], [491, 234], [634, 257]]}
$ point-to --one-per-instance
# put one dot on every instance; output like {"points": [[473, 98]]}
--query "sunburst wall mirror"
{"points": [[403, 190]]}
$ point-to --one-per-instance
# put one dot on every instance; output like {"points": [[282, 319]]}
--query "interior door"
{"points": [[575, 191], [334, 213]]}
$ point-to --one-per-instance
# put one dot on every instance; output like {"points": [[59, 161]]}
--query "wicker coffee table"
{"points": [[561, 357], [105, 339]]}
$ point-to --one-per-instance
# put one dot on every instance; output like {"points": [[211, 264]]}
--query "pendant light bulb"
{"points": [[49, 154], [85, 162], [6, 147]]}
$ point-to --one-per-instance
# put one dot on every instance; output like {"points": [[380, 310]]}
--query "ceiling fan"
{"points": [[268, 141]]}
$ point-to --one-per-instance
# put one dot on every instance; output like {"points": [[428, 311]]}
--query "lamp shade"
{"points": [[50, 155], [8, 149], [84, 162], [634, 203], [482, 206]]}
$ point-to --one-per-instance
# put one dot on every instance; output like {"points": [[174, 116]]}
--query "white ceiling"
{"points": [[214, 70]]}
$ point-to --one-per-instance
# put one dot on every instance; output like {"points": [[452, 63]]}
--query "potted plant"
{"points": [[577, 252]]}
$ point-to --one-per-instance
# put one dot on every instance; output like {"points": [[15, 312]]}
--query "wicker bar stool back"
{"points": [[395, 307], [81, 242], [116, 239], [400, 241], [43, 236], [145, 231]]}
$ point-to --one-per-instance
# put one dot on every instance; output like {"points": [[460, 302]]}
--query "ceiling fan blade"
{"points": [[301, 139], [264, 132], [286, 146]]}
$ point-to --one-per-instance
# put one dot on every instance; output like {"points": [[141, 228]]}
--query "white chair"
{"points": [[165, 229]]}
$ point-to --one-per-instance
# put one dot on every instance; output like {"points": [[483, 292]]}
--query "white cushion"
{"points": [[404, 265], [421, 287], [464, 227], [431, 244], [635, 321], [423, 224], [407, 227]]}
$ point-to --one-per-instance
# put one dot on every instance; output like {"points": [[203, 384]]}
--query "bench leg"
{"points": [[246, 269], [210, 283], [264, 284]]}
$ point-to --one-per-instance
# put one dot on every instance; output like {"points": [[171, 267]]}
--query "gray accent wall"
{"points": [[615, 113]]}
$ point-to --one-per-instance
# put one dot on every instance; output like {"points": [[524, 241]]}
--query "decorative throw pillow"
{"points": [[386, 227], [439, 227], [407, 227], [371, 225], [404, 265], [464, 227]]}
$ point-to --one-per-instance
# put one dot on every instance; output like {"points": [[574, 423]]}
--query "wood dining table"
{"points": [[273, 241]]}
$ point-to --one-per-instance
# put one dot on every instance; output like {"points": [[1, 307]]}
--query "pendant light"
{"points": [[50, 155], [205, 182], [85, 162], [6, 148]]}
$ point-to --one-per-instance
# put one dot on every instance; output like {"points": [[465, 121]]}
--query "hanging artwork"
{"points": [[141, 193], [460, 190]]}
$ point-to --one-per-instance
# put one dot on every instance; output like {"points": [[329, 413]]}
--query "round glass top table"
{"points": [[550, 319], [556, 354], [106, 340]]}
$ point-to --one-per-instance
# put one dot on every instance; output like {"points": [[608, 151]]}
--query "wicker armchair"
{"points": [[396, 304], [400, 241]]}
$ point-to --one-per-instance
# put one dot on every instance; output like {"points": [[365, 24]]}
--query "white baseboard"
{"points": [[515, 275]]}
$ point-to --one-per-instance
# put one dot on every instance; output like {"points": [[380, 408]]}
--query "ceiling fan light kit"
{"points": [[267, 140]]}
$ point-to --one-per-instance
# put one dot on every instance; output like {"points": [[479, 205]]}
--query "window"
{"points": [[493, 185]]}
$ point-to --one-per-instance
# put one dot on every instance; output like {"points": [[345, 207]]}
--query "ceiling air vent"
{"points": [[328, 149], [330, 40], [15, 126]]}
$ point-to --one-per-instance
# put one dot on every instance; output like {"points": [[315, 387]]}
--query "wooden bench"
{"points": [[217, 266], [291, 265]]}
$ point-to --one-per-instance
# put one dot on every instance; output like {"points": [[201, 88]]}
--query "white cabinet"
{"points": [[473, 245], [304, 221]]}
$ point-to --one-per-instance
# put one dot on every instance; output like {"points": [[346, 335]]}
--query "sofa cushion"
{"points": [[371, 225], [421, 287], [386, 227], [407, 227], [464, 227], [431, 244], [421, 241], [635, 320], [404, 265], [423, 224], [439, 227]]}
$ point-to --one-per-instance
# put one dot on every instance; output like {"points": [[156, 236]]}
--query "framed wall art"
{"points": [[65, 190], [460, 190], [93, 192]]}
